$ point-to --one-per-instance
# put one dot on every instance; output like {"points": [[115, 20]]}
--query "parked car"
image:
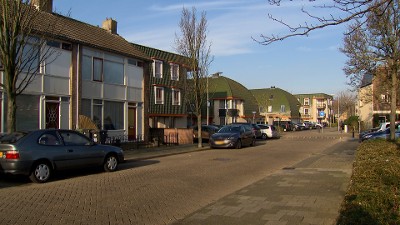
{"points": [[254, 127], [206, 132], [268, 131], [380, 128], [285, 125], [298, 127], [39, 153], [385, 134], [233, 136]]}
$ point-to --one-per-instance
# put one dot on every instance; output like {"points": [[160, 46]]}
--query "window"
{"points": [[385, 98], [306, 111], [98, 112], [283, 108], [157, 68], [49, 139], [306, 101], [74, 138], [27, 113], [97, 69], [62, 45], [176, 97], [174, 71], [29, 62], [269, 108], [159, 95], [113, 72], [113, 115]]}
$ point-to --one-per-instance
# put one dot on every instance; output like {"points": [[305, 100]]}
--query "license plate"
{"points": [[219, 142]]}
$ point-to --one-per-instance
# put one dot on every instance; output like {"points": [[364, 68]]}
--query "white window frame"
{"points": [[176, 101], [155, 64], [159, 101], [306, 111], [174, 71], [306, 101]]}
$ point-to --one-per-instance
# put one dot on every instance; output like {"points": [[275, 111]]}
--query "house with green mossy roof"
{"points": [[276, 104], [230, 101], [165, 90], [316, 107]]}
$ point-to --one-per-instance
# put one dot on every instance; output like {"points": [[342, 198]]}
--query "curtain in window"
{"points": [[113, 115], [27, 115]]}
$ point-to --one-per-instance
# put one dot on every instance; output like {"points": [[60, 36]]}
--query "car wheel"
{"points": [[239, 144], [253, 142], [264, 136], [110, 163], [41, 172]]}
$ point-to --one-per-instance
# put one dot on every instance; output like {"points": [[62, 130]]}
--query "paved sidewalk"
{"points": [[309, 192]]}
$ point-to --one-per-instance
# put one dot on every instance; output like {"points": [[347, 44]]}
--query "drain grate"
{"points": [[288, 168]]}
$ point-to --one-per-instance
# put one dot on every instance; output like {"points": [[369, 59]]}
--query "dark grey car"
{"points": [[39, 153], [233, 136]]}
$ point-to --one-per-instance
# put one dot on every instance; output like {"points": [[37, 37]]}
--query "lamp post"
{"points": [[338, 110]]}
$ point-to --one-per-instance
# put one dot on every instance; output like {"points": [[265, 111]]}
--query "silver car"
{"points": [[39, 153]]}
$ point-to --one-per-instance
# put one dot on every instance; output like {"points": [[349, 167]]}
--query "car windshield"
{"points": [[11, 137], [229, 129]]}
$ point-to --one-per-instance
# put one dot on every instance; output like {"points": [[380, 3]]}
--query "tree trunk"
{"points": [[11, 111], [393, 105], [200, 139]]}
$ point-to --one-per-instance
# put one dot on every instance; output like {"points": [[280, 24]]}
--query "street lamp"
{"points": [[338, 111]]}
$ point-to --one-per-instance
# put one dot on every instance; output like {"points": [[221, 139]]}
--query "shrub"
{"points": [[373, 194]]}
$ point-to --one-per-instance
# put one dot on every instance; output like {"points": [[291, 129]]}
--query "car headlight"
{"points": [[367, 136]]}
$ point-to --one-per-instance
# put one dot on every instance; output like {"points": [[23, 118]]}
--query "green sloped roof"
{"points": [[222, 87], [163, 55], [277, 97]]}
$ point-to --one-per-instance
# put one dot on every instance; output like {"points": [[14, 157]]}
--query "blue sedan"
{"points": [[39, 153]]}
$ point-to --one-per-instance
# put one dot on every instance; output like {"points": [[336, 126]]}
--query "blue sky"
{"points": [[298, 65]]}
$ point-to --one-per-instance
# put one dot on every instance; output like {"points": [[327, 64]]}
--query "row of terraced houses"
{"points": [[127, 89]]}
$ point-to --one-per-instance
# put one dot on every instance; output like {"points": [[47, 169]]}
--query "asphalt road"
{"points": [[156, 191]]}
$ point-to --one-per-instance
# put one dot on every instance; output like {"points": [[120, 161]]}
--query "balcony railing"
{"points": [[321, 106]]}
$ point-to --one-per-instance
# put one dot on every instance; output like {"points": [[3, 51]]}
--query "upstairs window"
{"points": [[159, 95], [306, 101], [157, 69], [176, 97], [283, 108], [174, 71], [97, 69]]}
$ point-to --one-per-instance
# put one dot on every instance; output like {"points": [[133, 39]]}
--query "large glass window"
{"points": [[97, 112], [86, 107], [97, 69], [29, 62], [27, 112], [113, 115], [86, 67], [113, 72]]}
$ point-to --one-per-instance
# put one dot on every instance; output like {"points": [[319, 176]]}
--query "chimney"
{"points": [[110, 25], [43, 5]]}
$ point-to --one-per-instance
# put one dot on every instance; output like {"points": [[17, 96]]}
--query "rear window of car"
{"points": [[11, 137]]}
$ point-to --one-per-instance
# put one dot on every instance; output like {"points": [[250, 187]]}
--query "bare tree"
{"points": [[374, 48], [193, 44], [340, 12], [345, 103], [22, 49]]}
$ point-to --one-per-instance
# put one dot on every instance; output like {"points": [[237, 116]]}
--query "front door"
{"points": [[131, 124], [52, 114]]}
